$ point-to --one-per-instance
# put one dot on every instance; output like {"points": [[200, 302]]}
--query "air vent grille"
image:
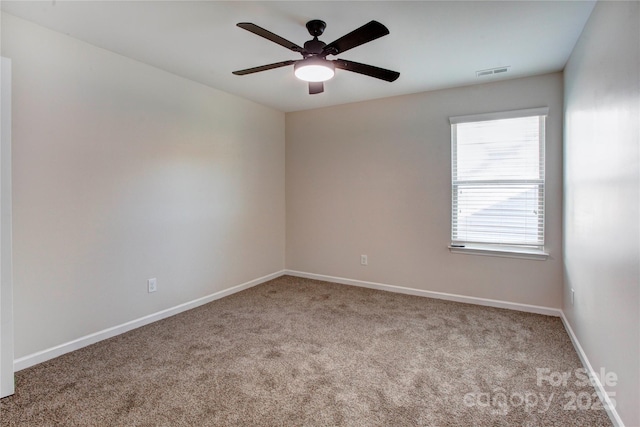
{"points": [[492, 71]]}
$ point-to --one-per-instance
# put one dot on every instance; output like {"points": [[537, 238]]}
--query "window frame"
{"points": [[536, 252]]}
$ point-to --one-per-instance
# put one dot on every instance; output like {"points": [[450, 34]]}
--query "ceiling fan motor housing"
{"points": [[313, 47]]}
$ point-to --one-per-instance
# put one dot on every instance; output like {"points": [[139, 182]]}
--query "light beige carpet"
{"points": [[302, 352]]}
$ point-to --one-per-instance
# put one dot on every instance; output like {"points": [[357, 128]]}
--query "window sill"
{"points": [[504, 252]]}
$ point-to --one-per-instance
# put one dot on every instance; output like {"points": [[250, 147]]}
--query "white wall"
{"points": [[602, 235], [123, 172], [374, 178]]}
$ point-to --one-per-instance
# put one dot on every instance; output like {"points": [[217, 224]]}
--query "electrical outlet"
{"points": [[573, 294], [152, 285], [363, 260]]}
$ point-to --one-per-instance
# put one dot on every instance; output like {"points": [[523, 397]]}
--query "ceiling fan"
{"points": [[314, 67]]}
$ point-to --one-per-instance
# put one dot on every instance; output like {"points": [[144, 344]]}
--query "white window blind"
{"points": [[498, 179]]}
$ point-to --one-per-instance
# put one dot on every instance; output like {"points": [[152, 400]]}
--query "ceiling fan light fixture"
{"points": [[314, 70]]}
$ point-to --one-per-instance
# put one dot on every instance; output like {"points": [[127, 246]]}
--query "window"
{"points": [[497, 179]]}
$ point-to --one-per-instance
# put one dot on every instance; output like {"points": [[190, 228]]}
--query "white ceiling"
{"points": [[433, 44]]}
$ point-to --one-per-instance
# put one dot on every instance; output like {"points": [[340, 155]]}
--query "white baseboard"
{"points": [[53, 352], [602, 393], [42, 356], [548, 311], [59, 350]]}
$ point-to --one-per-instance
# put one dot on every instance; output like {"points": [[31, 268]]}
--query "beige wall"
{"points": [[374, 178], [123, 172], [602, 235]]}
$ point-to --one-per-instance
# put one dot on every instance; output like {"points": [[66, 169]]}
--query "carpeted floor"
{"points": [[302, 352]]}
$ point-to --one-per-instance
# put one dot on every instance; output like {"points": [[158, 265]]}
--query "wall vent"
{"points": [[492, 71]]}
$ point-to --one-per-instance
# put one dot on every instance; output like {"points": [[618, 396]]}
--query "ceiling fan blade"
{"points": [[315, 87], [264, 67], [362, 35], [270, 36], [367, 70]]}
